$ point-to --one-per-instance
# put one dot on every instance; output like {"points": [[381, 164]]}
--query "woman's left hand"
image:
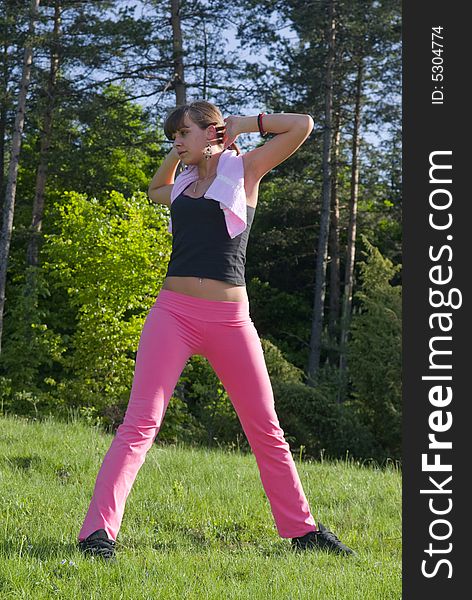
{"points": [[231, 130]]}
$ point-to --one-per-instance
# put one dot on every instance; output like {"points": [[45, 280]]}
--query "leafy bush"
{"points": [[309, 417], [289, 311], [109, 258], [210, 405], [320, 424], [30, 347], [278, 366]]}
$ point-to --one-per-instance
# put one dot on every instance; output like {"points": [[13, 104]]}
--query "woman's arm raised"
{"points": [[292, 129], [163, 181]]}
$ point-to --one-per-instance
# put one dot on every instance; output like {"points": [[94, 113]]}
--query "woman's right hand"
{"points": [[231, 130]]}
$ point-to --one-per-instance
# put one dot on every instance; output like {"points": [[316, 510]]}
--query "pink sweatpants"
{"points": [[178, 326]]}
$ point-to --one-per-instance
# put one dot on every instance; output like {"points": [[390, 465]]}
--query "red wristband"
{"points": [[259, 124]]}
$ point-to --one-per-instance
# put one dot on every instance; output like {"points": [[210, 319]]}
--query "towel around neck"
{"points": [[227, 188]]}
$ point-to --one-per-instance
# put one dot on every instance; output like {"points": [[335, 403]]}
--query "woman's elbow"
{"points": [[309, 123], [304, 124]]}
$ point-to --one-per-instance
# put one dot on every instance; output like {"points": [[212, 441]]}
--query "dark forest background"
{"points": [[84, 90]]}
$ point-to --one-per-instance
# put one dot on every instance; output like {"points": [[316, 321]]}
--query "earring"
{"points": [[207, 153]]}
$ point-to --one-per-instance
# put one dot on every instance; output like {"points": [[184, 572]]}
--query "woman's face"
{"points": [[190, 141]]}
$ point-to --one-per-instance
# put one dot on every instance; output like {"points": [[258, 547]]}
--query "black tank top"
{"points": [[201, 245]]}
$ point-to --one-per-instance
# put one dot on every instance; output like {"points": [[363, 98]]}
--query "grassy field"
{"points": [[197, 524]]}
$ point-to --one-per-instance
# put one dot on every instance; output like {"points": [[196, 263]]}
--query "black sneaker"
{"points": [[322, 539], [99, 544]]}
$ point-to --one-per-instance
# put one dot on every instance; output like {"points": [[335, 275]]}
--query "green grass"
{"points": [[197, 524]]}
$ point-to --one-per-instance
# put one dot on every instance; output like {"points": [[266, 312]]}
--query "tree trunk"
{"points": [[334, 270], [32, 255], [351, 240], [10, 193], [178, 55], [322, 251], [205, 61], [4, 100]]}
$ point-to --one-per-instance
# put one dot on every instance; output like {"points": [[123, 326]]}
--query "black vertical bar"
{"points": [[431, 253]]}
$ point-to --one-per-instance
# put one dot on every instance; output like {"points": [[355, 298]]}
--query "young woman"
{"points": [[203, 308]]}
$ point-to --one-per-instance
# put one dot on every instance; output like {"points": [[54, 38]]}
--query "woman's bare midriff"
{"points": [[210, 289]]}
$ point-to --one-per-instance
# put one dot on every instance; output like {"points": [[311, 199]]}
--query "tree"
{"points": [[352, 227], [367, 45], [364, 70], [14, 28], [375, 350], [32, 258], [334, 258], [322, 251], [177, 54], [9, 205]]}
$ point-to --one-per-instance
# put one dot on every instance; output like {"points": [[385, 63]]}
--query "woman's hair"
{"points": [[201, 112]]}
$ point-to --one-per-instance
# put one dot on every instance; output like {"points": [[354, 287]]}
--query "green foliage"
{"points": [[30, 347], [105, 143], [278, 366], [315, 421], [280, 249], [209, 404], [115, 145], [110, 258], [309, 417], [179, 425], [374, 353], [281, 318]]}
